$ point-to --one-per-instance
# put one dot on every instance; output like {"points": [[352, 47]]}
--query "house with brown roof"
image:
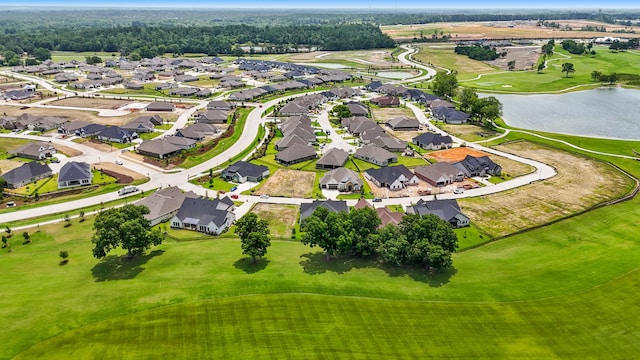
{"points": [[439, 174], [161, 106], [388, 217], [358, 109], [375, 155], [197, 131], [386, 101], [295, 154], [158, 148], [164, 203]]}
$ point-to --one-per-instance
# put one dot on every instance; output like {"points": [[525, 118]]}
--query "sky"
{"points": [[336, 4]]}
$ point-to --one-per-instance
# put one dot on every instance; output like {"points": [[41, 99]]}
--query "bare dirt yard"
{"points": [[94, 103], [71, 152], [124, 175], [288, 183], [454, 155], [403, 135], [524, 57], [98, 145], [281, 218], [8, 165], [383, 114], [467, 132], [580, 184]]}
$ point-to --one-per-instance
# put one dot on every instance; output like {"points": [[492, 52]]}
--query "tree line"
{"points": [[477, 52], [152, 40], [426, 241]]}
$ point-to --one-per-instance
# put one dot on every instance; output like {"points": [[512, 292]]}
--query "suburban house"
{"points": [[197, 131], [432, 141], [335, 206], [74, 174], [140, 125], [213, 117], [439, 174], [34, 151], [164, 203], [334, 158], [70, 128], [358, 124], [204, 215], [362, 203], [478, 166], [388, 217], [242, 171], [158, 148], [392, 177], [289, 141], [403, 124], [341, 179], [446, 209], [375, 155], [220, 105], [161, 106], [89, 130], [358, 109], [295, 154], [389, 143], [449, 115], [26, 174], [386, 101], [117, 134], [181, 142]]}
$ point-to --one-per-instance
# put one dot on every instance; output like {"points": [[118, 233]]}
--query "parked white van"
{"points": [[127, 190]]}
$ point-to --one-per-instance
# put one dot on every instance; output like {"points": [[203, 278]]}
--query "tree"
{"points": [[4, 241], [125, 227], [568, 68], [254, 235], [26, 236], [356, 232], [468, 97], [317, 231], [64, 255], [445, 85], [41, 54], [91, 60], [511, 64], [431, 239], [81, 215], [342, 111], [394, 247], [7, 229], [547, 48], [540, 67]]}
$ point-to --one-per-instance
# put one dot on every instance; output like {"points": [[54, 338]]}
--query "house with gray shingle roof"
{"points": [[446, 209], [158, 148], [432, 141], [34, 151], [213, 117], [164, 203], [478, 166], [288, 141], [242, 171], [117, 134], [439, 174], [341, 179], [197, 131], [335, 206], [403, 124], [74, 174], [334, 158], [295, 154], [26, 174], [392, 177], [204, 215], [375, 155]]}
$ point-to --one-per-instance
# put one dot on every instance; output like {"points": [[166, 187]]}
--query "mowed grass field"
{"points": [[563, 291]]}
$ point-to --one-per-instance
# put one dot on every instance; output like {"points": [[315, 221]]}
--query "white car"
{"points": [[119, 162], [264, 196], [458, 191]]}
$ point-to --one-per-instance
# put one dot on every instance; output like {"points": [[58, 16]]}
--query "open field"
{"points": [[580, 184], [466, 132], [120, 170], [288, 183], [572, 299], [282, 218], [95, 103], [80, 56], [502, 30]]}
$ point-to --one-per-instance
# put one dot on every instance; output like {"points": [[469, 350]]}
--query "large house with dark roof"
{"points": [[34, 151], [439, 174], [242, 171], [375, 155], [341, 179], [335, 206], [392, 177], [161, 106], [478, 166], [403, 124], [204, 215], [446, 209], [432, 141], [74, 174], [164, 203], [295, 154], [332, 159], [26, 174], [117, 134]]}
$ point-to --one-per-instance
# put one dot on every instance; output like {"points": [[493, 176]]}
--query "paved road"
{"points": [[431, 72]]}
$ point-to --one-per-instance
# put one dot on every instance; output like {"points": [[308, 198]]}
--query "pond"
{"points": [[603, 112], [395, 74]]}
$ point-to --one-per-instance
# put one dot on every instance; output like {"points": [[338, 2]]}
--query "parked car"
{"points": [[222, 192], [55, 160], [264, 196], [234, 188], [377, 200], [119, 162], [11, 204], [234, 196], [458, 190]]}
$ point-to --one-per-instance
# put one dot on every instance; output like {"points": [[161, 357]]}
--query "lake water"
{"points": [[604, 112]]}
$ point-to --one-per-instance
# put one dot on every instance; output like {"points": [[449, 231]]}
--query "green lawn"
{"points": [[81, 56], [560, 291], [217, 184], [151, 135]]}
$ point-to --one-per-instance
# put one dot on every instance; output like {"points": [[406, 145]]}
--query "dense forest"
{"points": [[152, 40], [477, 52]]}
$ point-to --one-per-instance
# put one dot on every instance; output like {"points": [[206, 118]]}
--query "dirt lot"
{"points": [[386, 113], [422, 186], [468, 132], [124, 175], [373, 57], [455, 154], [288, 183], [525, 57], [580, 184], [403, 135], [71, 152], [94, 103], [98, 145], [281, 218]]}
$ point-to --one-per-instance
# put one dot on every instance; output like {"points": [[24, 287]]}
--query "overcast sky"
{"points": [[354, 4]]}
